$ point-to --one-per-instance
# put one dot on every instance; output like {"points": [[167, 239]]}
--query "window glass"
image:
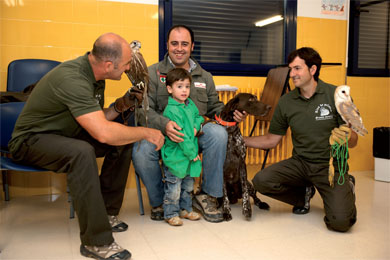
{"points": [[369, 38]]}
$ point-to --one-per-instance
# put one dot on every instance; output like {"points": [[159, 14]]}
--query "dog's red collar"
{"points": [[224, 123]]}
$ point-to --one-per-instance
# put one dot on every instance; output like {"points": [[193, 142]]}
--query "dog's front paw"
{"points": [[227, 216], [246, 209], [247, 213]]}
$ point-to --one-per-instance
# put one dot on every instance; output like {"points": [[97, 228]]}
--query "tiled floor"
{"points": [[38, 227]]}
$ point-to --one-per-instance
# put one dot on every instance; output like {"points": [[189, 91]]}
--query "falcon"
{"points": [[138, 75], [348, 111]]}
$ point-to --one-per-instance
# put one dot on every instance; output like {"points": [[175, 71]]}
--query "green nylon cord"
{"points": [[340, 152]]}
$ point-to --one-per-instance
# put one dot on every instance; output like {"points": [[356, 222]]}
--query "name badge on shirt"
{"points": [[200, 85]]}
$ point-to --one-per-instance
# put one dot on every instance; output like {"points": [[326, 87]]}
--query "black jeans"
{"points": [[287, 181], [93, 196]]}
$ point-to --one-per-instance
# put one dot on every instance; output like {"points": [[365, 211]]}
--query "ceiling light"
{"points": [[267, 21]]}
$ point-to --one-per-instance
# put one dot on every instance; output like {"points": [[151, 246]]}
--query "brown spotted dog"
{"points": [[236, 185]]}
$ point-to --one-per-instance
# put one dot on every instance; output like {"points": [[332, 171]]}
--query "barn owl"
{"points": [[138, 74], [348, 111], [350, 114]]}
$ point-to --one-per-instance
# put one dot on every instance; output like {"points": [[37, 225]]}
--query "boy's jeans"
{"points": [[178, 194]]}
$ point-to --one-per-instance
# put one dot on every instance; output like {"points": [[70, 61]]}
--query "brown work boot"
{"points": [[116, 224], [110, 252], [157, 213], [208, 206]]}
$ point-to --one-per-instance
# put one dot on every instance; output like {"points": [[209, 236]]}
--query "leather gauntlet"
{"points": [[128, 101]]}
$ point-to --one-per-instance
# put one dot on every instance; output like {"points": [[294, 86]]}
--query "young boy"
{"points": [[181, 160]]}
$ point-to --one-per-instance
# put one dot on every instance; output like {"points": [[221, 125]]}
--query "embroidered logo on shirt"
{"points": [[163, 78], [98, 98], [200, 85], [324, 112]]}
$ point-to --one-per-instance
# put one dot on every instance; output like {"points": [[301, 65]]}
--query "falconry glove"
{"points": [[132, 98], [340, 135]]}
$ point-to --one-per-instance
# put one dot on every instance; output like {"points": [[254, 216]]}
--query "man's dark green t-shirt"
{"points": [[311, 121], [68, 91]]}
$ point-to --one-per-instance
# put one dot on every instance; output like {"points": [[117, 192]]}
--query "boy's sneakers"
{"points": [[208, 206], [110, 252], [116, 224], [189, 215], [310, 191], [174, 221]]}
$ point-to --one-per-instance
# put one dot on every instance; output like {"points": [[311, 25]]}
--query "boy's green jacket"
{"points": [[178, 157]]}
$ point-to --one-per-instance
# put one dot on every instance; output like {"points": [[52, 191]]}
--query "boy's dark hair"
{"points": [[181, 26], [310, 56], [177, 74]]}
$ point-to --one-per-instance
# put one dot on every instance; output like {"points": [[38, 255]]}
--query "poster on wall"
{"points": [[333, 7]]}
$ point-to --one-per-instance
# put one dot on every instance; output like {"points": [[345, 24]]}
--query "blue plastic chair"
{"points": [[24, 72], [9, 113], [21, 74]]}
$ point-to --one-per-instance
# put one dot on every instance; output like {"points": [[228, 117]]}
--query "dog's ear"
{"points": [[230, 107], [232, 104]]}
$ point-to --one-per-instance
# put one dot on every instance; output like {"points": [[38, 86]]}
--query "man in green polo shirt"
{"points": [[64, 127], [309, 110]]}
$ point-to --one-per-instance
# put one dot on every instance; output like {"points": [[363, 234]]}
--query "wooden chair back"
{"points": [[275, 86]]}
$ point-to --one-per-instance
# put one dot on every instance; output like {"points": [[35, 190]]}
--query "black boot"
{"points": [[310, 191]]}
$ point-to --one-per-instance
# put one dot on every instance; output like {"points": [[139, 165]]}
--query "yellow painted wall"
{"points": [[372, 97], [329, 38], [65, 29]]}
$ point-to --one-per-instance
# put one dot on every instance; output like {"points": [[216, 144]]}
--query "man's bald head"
{"points": [[109, 47]]}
